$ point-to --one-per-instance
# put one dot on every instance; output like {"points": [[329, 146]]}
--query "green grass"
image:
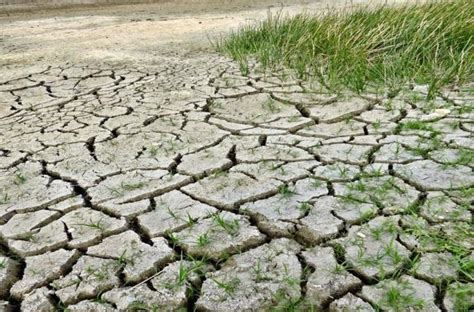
{"points": [[365, 48]]}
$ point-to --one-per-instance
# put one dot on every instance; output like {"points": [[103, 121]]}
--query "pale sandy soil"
{"points": [[132, 33]]}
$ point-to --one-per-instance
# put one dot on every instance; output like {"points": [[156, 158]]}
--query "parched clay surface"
{"points": [[179, 183]]}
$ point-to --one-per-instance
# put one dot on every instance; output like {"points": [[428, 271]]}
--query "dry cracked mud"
{"points": [[186, 185]]}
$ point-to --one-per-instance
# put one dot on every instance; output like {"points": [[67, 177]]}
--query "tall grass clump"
{"points": [[430, 43]]}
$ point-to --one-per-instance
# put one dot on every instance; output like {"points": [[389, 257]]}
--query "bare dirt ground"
{"points": [[141, 171], [138, 34]]}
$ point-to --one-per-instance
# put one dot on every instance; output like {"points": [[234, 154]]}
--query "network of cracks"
{"points": [[189, 186]]}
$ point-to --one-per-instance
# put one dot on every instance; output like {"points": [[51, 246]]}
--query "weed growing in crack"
{"points": [[4, 197], [462, 294], [218, 173], [232, 227], [375, 172], [99, 300], [170, 146], [392, 252], [290, 280], [390, 185], [100, 274], [215, 104], [359, 186], [19, 178], [411, 265], [315, 183], [464, 109], [241, 182], [271, 106], [285, 191], [3, 264], [342, 171], [229, 286], [282, 171], [339, 250], [398, 148], [413, 209], [123, 260], [203, 240], [172, 213], [30, 237], [224, 257], [402, 299], [175, 240], [467, 192], [97, 225], [259, 273], [131, 186], [185, 269], [377, 124], [377, 233], [190, 221], [153, 151], [368, 215], [418, 126], [304, 207], [183, 274], [466, 267], [369, 261], [284, 303], [350, 197], [340, 268], [420, 151], [115, 191]]}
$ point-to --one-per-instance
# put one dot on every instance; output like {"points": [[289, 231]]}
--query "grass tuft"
{"points": [[365, 48]]}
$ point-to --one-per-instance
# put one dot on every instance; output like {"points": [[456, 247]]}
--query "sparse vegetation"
{"points": [[19, 178], [230, 226], [401, 298], [203, 240], [286, 191], [228, 286]]}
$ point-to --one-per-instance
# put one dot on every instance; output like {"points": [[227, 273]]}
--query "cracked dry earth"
{"points": [[190, 186]]}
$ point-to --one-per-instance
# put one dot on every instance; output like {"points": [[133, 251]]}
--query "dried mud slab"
{"points": [[219, 236], [329, 279], [254, 279], [139, 260], [372, 249], [42, 269], [409, 293], [432, 176], [278, 215], [228, 189], [89, 277], [172, 213], [166, 292]]}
